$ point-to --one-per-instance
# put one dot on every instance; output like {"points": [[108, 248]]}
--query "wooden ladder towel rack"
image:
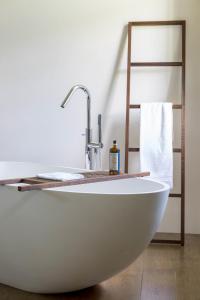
{"points": [[181, 106]]}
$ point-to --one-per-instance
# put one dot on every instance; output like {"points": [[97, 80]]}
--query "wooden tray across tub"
{"points": [[35, 183]]}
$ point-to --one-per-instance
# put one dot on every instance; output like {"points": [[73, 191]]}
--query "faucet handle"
{"points": [[100, 130]]}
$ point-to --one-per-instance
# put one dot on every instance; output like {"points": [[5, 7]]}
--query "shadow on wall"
{"points": [[173, 93], [116, 129], [115, 69]]}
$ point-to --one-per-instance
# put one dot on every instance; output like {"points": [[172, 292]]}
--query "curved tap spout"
{"points": [[86, 91]]}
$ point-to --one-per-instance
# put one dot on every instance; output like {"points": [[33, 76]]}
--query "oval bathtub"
{"points": [[68, 238]]}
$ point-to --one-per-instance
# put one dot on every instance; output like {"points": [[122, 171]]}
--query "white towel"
{"points": [[61, 176], [156, 155]]}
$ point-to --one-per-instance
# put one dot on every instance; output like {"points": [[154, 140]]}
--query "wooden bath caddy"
{"points": [[35, 183]]}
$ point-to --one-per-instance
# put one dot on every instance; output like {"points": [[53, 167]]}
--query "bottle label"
{"points": [[114, 161]]}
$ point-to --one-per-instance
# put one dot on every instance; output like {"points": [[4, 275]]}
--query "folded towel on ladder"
{"points": [[156, 153]]}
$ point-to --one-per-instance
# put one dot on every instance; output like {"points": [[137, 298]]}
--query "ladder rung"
{"points": [[156, 23], [177, 150], [175, 195], [162, 241], [156, 64], [175, 106]]}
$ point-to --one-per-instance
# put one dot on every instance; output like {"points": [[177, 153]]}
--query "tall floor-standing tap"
{"points": [[89, 145]]}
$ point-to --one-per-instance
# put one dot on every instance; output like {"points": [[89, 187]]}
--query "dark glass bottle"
{"points": [[114, 160]]}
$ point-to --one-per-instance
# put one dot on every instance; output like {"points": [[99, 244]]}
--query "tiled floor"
{"points": [[162, 272]]}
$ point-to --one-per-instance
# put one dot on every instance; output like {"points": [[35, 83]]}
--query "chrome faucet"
{"points": [[89, 145]]}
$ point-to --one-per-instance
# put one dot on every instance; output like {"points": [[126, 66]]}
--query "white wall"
{"points": [[47, 46]]}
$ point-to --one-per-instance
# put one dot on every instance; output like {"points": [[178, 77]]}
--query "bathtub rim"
{"points": [[165, 188]]}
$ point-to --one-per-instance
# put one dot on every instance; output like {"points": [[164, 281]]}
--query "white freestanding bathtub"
{"points": [[69, 238]]}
